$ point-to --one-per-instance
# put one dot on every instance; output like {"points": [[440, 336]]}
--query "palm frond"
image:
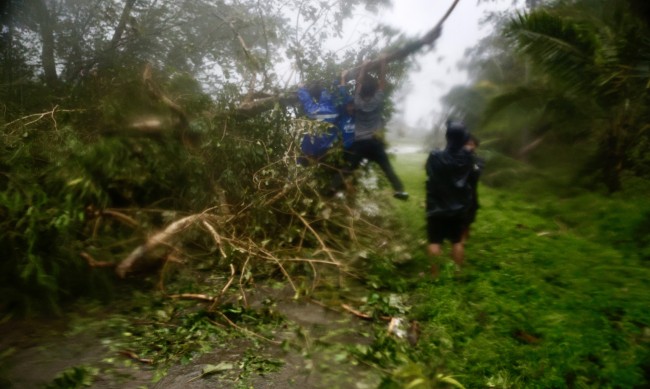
{"points": [[563, 48], [521, 98]]}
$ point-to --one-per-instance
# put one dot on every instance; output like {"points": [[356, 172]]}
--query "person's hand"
{"points": [[362, 71]]}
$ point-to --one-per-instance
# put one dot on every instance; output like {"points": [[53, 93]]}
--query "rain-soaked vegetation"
{"points": [[156, 230]]}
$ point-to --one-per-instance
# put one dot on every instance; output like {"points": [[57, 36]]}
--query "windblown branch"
{"points": [[251, 108], [427, 39]]}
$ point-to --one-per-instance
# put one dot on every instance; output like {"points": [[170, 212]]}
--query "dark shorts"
{"points": [[440, 228]]}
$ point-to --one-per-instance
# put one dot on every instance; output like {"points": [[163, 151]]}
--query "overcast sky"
{"points": [[438, 70]]}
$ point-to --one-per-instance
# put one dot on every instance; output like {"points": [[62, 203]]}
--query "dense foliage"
{"points": [[119, 117], [566, 73]]}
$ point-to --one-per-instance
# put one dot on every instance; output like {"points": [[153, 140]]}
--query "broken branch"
{"points": [[362, 315], [193, 296], [162, 237], [94, 263]]}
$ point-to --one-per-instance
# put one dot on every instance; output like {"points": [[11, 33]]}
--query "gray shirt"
{"points": [[367, 115]]}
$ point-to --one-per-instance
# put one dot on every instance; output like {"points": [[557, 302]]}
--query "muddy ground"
{"points": [[308, 352]]}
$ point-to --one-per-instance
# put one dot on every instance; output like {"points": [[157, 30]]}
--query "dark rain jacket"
{"points": [[477, 169], [449, 191]]}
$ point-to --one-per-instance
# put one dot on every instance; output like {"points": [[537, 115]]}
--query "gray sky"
{"points": [[438, 70]]}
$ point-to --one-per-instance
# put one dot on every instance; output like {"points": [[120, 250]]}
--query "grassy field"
{"points": [[555, 293]]}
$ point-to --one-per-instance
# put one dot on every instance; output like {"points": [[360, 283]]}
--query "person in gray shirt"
{"points": [[369, 102]]}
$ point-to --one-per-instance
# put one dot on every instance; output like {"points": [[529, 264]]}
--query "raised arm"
{"points": [[360, 76], [382, 74]]}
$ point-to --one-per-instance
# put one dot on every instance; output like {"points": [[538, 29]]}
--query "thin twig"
{"points": [[120, 216], [232, 277], [216, 237], [193, 296], [94, 263], [40, 116], [247, 330], [135, 357], [324, 247], [241, 276], [362, 315]]}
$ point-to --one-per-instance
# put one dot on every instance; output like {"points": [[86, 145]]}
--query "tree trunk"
{"points": [[46, 26], [121, 26], [7, 47]]}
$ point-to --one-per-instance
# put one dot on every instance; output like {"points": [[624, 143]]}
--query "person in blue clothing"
{"points": [[345, 121], [318, 104], [346, 128]]}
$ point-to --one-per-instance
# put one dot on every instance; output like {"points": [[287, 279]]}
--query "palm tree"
{"points": [[589, 67]]}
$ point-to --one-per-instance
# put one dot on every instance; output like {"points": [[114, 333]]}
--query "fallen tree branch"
{"points": [[356, 313], [256, 107], [216, 237], [427, 39], [94, 263], [120, 217], [251, 108], [160, 238], [247, 330], [362, 315], [40, 116], [324, 247], [135, 357], [241, 284], [193, 296], [230, 280]]}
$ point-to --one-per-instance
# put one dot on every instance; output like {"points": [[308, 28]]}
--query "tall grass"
{"points": [[555, 291]]}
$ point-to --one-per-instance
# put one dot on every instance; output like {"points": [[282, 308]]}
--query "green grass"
{"points": [[555, 293]]}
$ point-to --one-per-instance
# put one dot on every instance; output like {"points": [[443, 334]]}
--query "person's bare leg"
{"points": [[465, 235], [435, 250], [458, 253]]}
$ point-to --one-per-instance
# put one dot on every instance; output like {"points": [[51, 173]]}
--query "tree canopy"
{"points": [[575, 72]]}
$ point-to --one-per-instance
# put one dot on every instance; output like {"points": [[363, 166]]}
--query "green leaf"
{"points": [[415, 383], [450, 380], [222, 366], [213, 369]]}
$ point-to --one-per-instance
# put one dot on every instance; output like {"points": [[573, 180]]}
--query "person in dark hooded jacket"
{"points": [[477, 168], [449, 193]]}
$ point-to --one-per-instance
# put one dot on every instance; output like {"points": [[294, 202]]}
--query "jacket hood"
{"points": [[457, 135]]}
